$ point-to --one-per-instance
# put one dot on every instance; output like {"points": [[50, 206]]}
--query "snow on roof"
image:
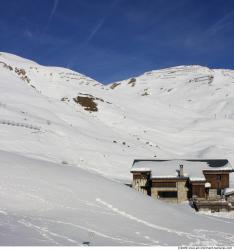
{"points": [[194, 178], [228, 191], [142, 170], [191, 168], [163, 176]]}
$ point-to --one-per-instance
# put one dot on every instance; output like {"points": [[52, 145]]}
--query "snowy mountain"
{"points": [[67, 143]]}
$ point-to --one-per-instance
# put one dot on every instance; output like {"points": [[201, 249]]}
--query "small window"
{"points": [[164, 184], [167, 194]]}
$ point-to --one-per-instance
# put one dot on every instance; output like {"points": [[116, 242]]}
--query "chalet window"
{"points": [[167, 194], [164, 184]]}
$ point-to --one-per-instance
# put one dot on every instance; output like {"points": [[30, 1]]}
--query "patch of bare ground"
{"points": [[87, 103], [145, 92], [22, 74], [32, 86], [114, 85], [132, 82], [7, 66], [65, 99]]}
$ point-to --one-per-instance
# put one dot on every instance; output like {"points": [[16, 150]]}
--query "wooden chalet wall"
{"points": [[219, 179], [198, 189]]}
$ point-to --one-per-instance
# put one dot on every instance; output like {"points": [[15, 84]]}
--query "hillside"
{"points": [[67, 143], [49, 204], [180, 112]]}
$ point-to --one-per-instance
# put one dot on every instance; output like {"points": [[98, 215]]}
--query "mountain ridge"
{"points": [[174, 112]]}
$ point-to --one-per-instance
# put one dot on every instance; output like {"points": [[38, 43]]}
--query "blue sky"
{"points": [[112, 40]]}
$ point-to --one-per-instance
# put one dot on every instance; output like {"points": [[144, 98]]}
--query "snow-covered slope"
{"points": [[48, 204], [58, 119], [179, 112]]}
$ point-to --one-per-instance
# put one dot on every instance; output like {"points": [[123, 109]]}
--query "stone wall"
{"points": [[180, 188], [138, 184], [182, 191], [212, 193]]}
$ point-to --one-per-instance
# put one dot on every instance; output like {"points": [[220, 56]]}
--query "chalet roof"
{"points": [[193, 168]]}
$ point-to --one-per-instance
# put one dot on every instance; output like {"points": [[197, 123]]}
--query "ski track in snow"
{"points": [[42, 231], [3, 212], [48, 233], [102, 235], [201, 238], [131, 217], [224, 219]]}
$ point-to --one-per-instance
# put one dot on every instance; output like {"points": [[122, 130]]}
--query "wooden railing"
{"points": [[213, 204]]}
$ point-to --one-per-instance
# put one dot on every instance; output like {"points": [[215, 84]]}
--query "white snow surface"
{"points": [[62, 168], [228, 191], [43, 203]]}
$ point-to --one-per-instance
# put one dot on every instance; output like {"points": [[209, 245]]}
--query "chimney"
{"points": [[181, 172]]}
